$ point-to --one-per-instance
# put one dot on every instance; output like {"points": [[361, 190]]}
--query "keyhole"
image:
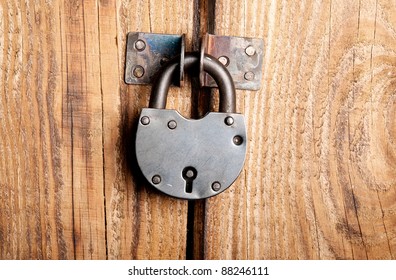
{"points": [[189, 174]]}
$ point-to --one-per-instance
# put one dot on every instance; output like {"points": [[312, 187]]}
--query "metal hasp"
{"points": [[147, 52], [191, 159], [242, 56]]}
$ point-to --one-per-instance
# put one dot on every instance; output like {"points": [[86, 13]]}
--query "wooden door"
{"points": [[319, 180]]}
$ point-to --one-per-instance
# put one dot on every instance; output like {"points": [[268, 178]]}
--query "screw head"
{"points": [[216, 186], [172, 124], [238, 140], [249, 76], [138, 71], [250, 51], [224, 60], [156, 179], [140, 45], [229, 121], [145, 120]]}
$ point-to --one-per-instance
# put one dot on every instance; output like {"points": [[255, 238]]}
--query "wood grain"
{"points": [[83, 123], [35, 218], [69, 186], [320, 177], [141, 223]]}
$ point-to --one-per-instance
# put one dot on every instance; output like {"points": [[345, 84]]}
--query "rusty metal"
{"points": [[147, 52], [243, 57]]}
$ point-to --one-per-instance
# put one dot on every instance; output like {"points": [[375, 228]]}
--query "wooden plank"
{"points": [[319, 180], [82, 112], [371, 123], [35, 220], [141, 223], [69, 185]]}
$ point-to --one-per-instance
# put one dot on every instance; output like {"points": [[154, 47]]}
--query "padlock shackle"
{"points": [[211, 65]]}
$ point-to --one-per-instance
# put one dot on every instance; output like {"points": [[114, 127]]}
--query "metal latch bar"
{"points": [[242, 56], [147, 52]]}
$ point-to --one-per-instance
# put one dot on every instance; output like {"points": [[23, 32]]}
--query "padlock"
{"points": [[191, 158]]}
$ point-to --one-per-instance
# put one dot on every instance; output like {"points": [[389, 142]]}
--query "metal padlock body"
{"points": [[188, 158], [214, 149]]}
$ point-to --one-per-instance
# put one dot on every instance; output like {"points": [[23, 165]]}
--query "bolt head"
{"points": [[224, 60], [250, 51], [216, 186], [229, 121], [138, 71], [172, 124], [145, 120], [156, 179], [140, 45], [249, 76]]}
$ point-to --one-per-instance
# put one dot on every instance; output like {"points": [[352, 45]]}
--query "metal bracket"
{"points": [[242, 56], [147, 52]]}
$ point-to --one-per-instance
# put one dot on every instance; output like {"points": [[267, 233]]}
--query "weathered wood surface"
{"points": [[68, 188], [320, 175]]}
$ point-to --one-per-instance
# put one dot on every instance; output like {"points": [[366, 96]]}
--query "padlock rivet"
{"points": [[156, 179], [145, 120], [238, 140], [216, 186], [229, 121], [172, 124]]}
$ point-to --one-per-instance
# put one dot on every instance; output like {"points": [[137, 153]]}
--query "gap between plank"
{"points": [[200, 103]]}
